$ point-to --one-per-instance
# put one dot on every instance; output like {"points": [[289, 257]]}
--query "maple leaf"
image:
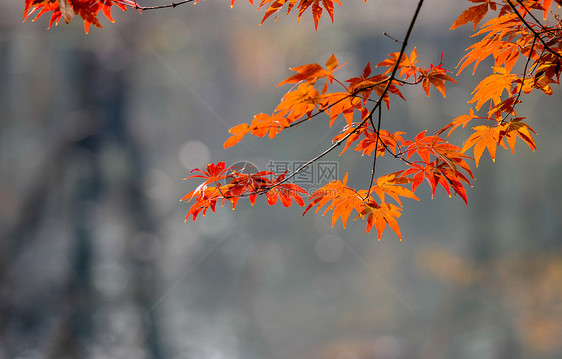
{"points": [[506, 106], [261, 125], [268, 124], [378, 83], [274, 7], [407, 65], [386, 140], [364, 84], [441, 164], [549, 68], [516, 128], [207, 198], [392, 185], [484, 137], [380, 216], [237, 132], [343, 200], [66, 9], [299, 102], [436, 173], [435, 76], [43, 6], [312, 72], [122, 4], [506, 54], [492, 44], [317, 6], [250, 184], [287, 192], [546, 6], [474, 14], [241, 184], [214, 173], [341, 103], [462, 120], [309, 73], [427, 146], [492, 87], [450, 176]]}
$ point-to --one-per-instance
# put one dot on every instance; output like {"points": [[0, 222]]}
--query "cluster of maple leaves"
{"points": [[88, 10], [428, 157], [514, 38]]}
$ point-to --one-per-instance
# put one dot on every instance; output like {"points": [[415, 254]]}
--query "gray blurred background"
{"points": [[97, 132]]}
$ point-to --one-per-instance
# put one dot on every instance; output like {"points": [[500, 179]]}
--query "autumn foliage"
{"points": [[522, 38]]}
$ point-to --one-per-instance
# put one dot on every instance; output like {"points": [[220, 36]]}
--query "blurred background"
{"points": [[97, 132]]}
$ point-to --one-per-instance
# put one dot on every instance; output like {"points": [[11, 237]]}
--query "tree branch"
{"points": [[367, 118], [537, 34], [171, 5]]}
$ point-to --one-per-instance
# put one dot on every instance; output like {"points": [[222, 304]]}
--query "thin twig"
{"points": [[171, 5], [391, 37]]}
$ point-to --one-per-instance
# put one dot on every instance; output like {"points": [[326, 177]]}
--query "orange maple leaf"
{"points": [[484, 137], [435, 76], [214, 173], [546, 6], [516, 128], [312, 72], [492, 87], [392, 185], [436, 173], [207, 199], [378, 83], [462, 120], [341, 103], [66, 9], [287, 192], [386, 140], [317, 6], [506, 25], [275, 6], [506, 106], [238, 132], [407, 64], [299, 102], [268, 124], [427, 146], [380, 216], [474, 14], [343, 200]]}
